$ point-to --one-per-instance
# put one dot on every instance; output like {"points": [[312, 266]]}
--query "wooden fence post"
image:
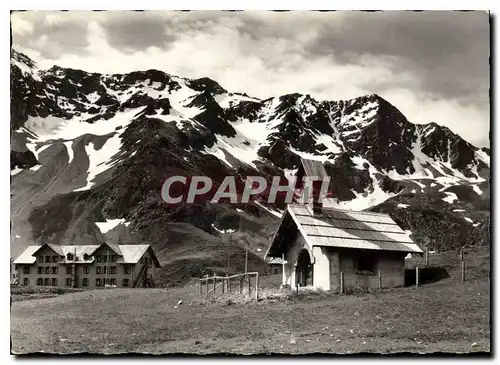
{"points": [[201, 287], [215, 283], [229, 285], [417, 276], [379, 280], [341, 282], [257, 287], [223, 285], [462, 264], [240, 278], [461, 255]]}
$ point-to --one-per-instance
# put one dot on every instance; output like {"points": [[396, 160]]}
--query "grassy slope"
{"points": [[445, 316]]}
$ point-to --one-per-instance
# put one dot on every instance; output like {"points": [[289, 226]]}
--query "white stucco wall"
{"points": [[321, 268]]}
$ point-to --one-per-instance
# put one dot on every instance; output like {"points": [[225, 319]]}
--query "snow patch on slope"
{"points": [[69, 148], [477, 189], [109, 224], [363, 200], [451, 197]]}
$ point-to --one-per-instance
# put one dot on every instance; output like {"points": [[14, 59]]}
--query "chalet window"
{"points": [[69, 270], [86, 270], [149, 261], [97, 282], [366, 262], [86, 257], [26, 282], [99, 258], [47, 270], [126, 269], [125, 282], [112, 270], [40, 270], [85, 282], [54, 269], [46, 282], [40, 259], [55, 258], [105, 258], [54, 281], [113, 281], [113, 258], [98, 270], [70, 257], [39, 281], [26, 270], [68, 281], [108, 281], [47, 258]]}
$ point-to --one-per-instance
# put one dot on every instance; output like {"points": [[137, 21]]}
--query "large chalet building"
{"points": [[87, 266]]}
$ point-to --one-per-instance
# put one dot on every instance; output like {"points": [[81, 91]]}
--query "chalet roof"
{"points": [[313, 168], [112, 246], [275, 261], [26, 256], [346, 229], [131, 253]]}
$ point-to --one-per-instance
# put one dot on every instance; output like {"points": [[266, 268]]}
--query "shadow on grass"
{"points": [[427, 275]]}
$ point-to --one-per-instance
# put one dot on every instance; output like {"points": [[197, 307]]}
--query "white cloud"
{"points": [[266, 54]]}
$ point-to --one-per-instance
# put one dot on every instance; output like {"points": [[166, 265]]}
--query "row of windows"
{"points": [[70, 257], [100, 258], [146, 260], [110, 281], [69, 270], [104, 258], [46, 282], [85, 282], [48, 259]]}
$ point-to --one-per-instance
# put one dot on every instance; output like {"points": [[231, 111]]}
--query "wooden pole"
{"points": [[229, 285], [228, 254], [461, 255], [206, 282], [341, 282], [283, 277], [249, 283], [462, 264], [240, 278], [223, 285], [215, 283], [257, 287], [201, 287], [417, 276], [379, 280], [246, 256]]}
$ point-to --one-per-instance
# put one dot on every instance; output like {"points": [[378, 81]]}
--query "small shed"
{"points": [[318, 244], [275, 266]]}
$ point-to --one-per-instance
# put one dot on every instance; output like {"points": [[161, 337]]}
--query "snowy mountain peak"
{"points": [[106, 142]]}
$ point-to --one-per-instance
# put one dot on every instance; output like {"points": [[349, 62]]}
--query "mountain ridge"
{"points": [[98, 146]]}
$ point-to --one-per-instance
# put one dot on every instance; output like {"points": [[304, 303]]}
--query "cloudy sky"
{"points": [[434, 66]]}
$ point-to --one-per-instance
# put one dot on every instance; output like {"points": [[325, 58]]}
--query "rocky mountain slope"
{"points": [[89, 153]]}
